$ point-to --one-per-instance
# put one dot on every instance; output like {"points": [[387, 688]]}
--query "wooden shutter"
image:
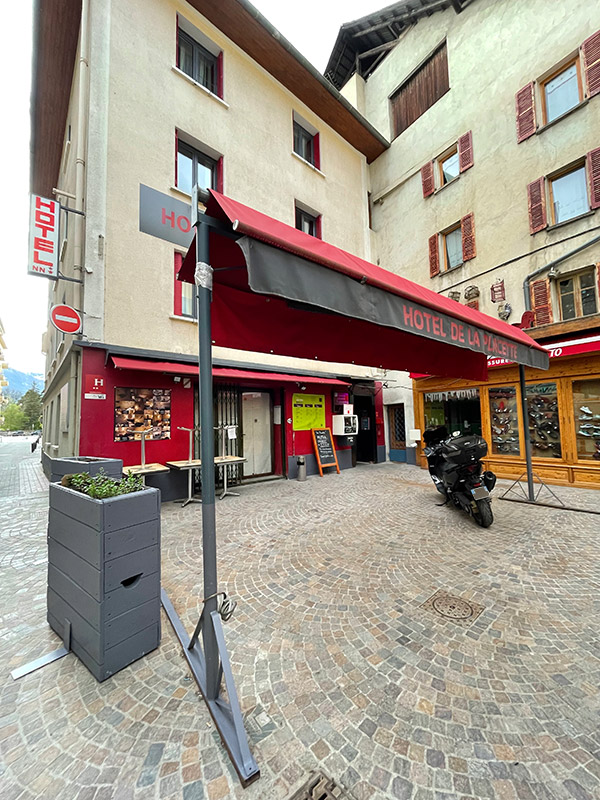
{"points": [[177, 286], [427, 180], [420, 91], [434, 256], [593, 170], [590, 52], [525, 106], [467, 230], [541, 302], [536, 203], [465, 151]]}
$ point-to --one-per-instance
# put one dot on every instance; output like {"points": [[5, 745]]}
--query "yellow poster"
{"points": [[308, 411]]}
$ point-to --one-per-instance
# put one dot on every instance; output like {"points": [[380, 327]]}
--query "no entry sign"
{"points": [[66, 319]]}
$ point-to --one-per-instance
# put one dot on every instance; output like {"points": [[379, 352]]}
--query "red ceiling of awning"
{"points": [[174, 368], [253, 223]]}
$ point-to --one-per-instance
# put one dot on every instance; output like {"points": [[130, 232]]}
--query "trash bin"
{"points": [[301, 462]]}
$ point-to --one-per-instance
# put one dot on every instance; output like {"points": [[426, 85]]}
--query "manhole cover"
{"points": [[454, 608], [320, 787]]}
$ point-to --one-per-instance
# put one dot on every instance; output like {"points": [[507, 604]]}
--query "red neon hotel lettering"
{"points": [[408, 316], [418, 320], [39, 203], [43, 244], [36, 260]]}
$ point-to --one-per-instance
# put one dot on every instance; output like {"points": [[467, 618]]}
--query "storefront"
{"points": [[265, 417], [563, 413]]}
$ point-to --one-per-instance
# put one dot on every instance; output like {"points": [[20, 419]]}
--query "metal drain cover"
{"points": [[455, 608], [320, 787]]}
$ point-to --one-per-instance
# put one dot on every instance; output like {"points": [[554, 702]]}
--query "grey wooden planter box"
{"points": [[104, 575], [56, 468]]}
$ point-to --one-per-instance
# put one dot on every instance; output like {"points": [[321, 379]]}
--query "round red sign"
{"points": [[66, 319]]}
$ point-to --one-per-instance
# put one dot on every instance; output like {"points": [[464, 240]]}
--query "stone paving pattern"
{"points": [[338, 666]]}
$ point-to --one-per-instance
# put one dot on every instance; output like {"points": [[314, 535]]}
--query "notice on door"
{"points": [[308, 411]]}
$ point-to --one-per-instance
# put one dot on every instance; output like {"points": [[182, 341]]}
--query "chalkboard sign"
{"points": [[323, 442]]}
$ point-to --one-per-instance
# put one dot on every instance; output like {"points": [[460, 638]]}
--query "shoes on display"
{"points": [[585, 410], [584, 433], [542, 446]]}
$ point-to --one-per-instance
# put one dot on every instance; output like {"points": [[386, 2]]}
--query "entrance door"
{"points": [[256, 424], [364, 408], [397, 431]]}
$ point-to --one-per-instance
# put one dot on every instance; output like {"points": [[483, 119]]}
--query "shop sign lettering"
{"points": [[165, 217], [43, 238]]}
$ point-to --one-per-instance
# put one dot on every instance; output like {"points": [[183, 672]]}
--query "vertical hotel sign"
{"points": [[43, 237]]}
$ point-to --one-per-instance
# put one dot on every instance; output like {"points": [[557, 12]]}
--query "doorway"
{"points": [[257, 433], [364, 408], [397, 430]]}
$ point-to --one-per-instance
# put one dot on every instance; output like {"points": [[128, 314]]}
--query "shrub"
{"points": [[101, 486]]}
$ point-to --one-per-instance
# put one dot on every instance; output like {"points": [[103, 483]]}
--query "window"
{"points": [[568, 195], [306, 141], [308, 222], [195, 166], [573, 191], [184, 294], [561, 89], [457, 246], [450, 164], [577, 295], [586, 403], [561, 92], [453, 256], [504, 420], [199, 63], [420, 91], [542, 420]]}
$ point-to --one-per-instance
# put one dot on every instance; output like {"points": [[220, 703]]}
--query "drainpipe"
{"points": [[549, 266], [80, 155]]}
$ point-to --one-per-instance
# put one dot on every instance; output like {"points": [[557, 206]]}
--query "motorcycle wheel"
{"points": [[483, 516]]}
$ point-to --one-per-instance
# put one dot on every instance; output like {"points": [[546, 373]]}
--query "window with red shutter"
{"points": [[467, 227], [536, 202], [541, 302], [593, 170], [525, 108], [465, 151], [434, 256], [590, 52], [427, 180]]}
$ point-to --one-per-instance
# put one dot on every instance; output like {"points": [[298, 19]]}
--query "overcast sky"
{"points": [[311, 27]]}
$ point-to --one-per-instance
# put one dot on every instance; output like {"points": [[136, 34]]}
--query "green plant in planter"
{"points": [[100, 487]]}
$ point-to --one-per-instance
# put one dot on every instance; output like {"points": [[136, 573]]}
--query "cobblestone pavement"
{"points": [[338, 664]]}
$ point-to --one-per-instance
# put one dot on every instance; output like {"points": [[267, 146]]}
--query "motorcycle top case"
{"points": [[465, 449]]}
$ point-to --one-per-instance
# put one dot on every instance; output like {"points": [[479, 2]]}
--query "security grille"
{"points": [[397, 427], [227, 411]]}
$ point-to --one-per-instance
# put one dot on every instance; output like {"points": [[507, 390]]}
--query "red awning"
{"points": [[269, 295], [226, 373]]}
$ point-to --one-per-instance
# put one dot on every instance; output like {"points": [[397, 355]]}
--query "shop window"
{"points": [[560, 90], [586, 405], [308, 221], [577, 295], [542, 419], [195, 166], [504, 420], [140, 411], [420, 91], [306, 141], [202, 62]]}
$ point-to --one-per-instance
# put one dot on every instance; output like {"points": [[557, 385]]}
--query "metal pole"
{"points": [[203, 279], [527, 437]]}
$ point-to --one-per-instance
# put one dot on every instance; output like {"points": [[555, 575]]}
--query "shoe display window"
{"points": [[542, 419], [504, 420], [586, 407]]}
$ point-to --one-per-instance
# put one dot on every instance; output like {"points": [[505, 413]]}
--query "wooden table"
{"points": [[146, 469], [192, 464]]}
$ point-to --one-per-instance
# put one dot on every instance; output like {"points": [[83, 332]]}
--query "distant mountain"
{"points": [[20, 382]]}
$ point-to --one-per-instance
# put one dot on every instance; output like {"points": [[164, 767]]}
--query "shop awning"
{"points": [[224, 373], [277, 289]]}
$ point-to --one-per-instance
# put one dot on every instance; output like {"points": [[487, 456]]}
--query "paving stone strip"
{"points": [[339, 667]]}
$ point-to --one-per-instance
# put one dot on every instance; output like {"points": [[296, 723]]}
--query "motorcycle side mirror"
{"points": [[455, 434]]}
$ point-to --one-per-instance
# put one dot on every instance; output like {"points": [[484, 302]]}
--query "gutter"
{"points": [[550, 265]]}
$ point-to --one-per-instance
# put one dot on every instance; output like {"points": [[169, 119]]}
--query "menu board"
{"points": [[324, 449], [308, 411], [138, 410]]}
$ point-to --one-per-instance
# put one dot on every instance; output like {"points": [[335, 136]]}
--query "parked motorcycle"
{"points": [[457, 472]]}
